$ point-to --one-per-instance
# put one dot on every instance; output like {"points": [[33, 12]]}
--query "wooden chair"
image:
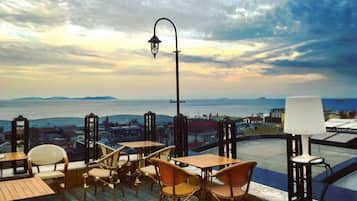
{"points": [[46, 155], [105, 170], [123, 158], [173, 180], [149, 169], [233, 178]]}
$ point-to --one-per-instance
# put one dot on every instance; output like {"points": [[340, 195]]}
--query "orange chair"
{"points": [[233, 178], [173, 180]]}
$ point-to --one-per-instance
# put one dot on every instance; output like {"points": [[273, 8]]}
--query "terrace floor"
{"points": [[258, 192]]}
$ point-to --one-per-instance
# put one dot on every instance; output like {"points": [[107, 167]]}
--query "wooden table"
{"points": [[18, 189], [11, 156], [140, 146], [205, 162]]}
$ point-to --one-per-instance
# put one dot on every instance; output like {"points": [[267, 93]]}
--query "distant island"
{"points": [[66, 98]]}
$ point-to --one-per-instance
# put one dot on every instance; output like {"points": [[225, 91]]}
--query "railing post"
{"points": [[149, 128], [227, 138], [181, 135], [293, 148], [90, 137], [19, 139]]}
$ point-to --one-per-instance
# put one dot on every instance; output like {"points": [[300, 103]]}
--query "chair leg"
{"points": [[114, 188], [62, 189], [137, 183], [114, 193], [85, 187], [136, 190], [214, 197], [95, 187], [122, 190], [161, 196], [85, 194], [152, 186]]}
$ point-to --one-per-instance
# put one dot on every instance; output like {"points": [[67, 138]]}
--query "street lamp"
{"points": [[155, 41]]}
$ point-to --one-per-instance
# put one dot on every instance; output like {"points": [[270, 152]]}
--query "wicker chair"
{"points": [[173, 180], [47, 155], [105, 170], [233, 178]]}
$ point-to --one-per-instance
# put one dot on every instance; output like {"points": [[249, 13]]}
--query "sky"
{"points": [[232, 49]]}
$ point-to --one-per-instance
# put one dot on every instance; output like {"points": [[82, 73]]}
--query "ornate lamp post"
{"points": [[155, 41], [180, 121]]}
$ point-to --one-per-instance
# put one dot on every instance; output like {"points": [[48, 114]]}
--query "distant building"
{"points": [[253, 120], [331, 115], [127, 132], [276, 116], [2, 135], [201, 131], [261, 115]]}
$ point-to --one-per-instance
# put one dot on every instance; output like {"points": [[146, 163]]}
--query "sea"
{"points": [[40, 109]]}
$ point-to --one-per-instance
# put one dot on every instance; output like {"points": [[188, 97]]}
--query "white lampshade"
{"points": [[304, 115]]}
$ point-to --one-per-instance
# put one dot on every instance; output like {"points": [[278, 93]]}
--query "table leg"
{"points": [[204, 185], [140, 158], [137, 175]]}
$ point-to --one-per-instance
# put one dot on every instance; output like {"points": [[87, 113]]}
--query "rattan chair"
{"points": [[233, 178], [46, 155], [105, 170], [173, 180]]}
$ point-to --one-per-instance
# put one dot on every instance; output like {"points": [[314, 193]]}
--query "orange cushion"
{"points": [[224, 191], [180, 189]]}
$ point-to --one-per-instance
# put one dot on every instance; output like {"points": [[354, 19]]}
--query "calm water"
{"points": [[192, 108]]}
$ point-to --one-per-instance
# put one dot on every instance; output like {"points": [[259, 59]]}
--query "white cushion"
{"points": [[50, 175], [100, 172], [148, 170]]}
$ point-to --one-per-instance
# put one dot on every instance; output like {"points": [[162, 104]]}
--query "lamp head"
{"points": [[304, 115], [154, 41]]}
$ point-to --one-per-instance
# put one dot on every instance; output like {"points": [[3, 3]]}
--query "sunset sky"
{"points": [[233, 49]]}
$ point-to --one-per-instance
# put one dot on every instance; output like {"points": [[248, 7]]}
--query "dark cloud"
{"points": [[331, 56], [325, 17]]}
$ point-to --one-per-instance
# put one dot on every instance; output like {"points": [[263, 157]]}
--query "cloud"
{"points": [[32, 14], [211, 19], [334, 55], [311, 41], [14, 54]]}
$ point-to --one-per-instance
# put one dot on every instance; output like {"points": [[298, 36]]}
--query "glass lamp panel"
{"points": [[154, 48]]}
